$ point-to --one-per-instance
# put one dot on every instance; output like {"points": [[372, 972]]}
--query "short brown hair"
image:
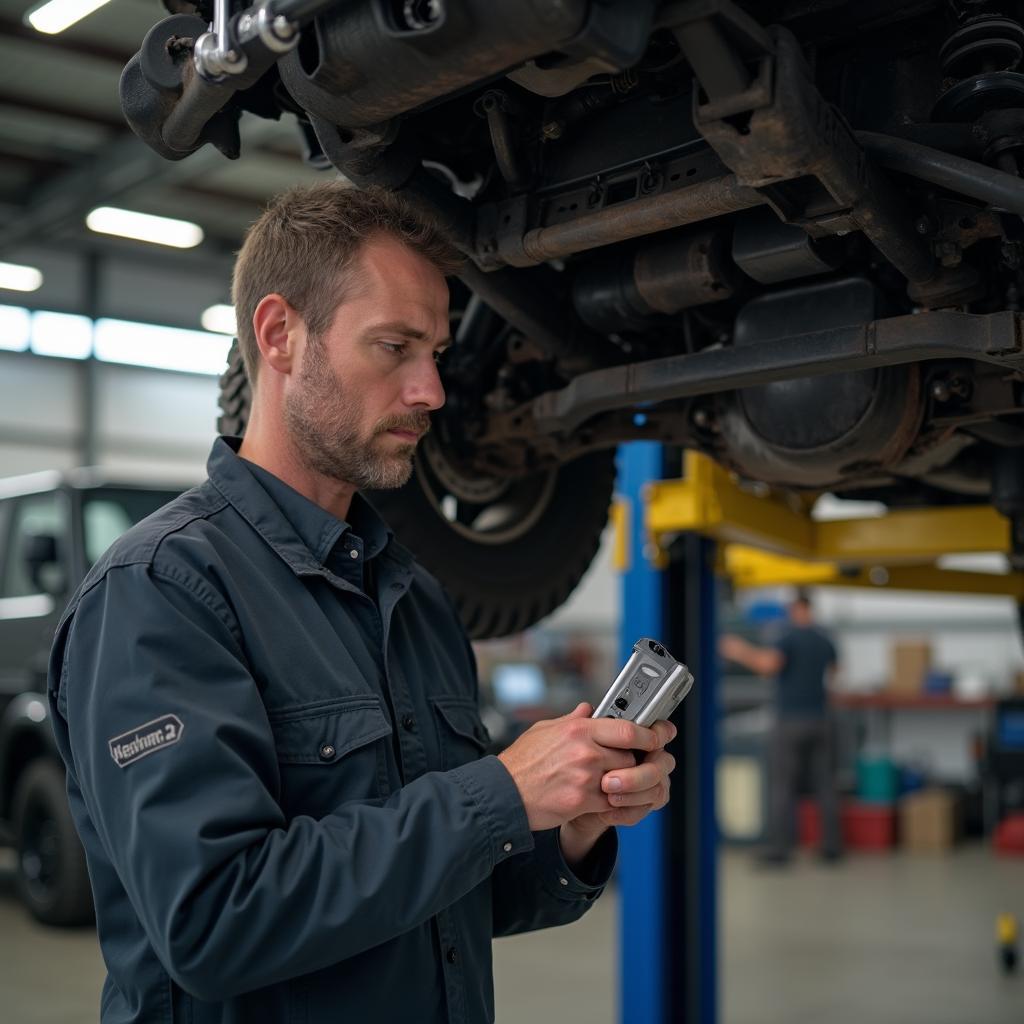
{"points": [[307, 238]]}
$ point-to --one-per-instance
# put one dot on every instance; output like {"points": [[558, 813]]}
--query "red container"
{"points": [[808, 823], [1009, 835], [866, 826], [869, 826]]}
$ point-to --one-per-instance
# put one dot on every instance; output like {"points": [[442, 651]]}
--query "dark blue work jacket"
{"points": [[269, 720]]}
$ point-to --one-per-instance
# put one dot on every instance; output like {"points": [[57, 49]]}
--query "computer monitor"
{"points": [[518, 683]]}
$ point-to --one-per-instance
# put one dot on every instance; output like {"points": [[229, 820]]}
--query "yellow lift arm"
{"points": [[768, 539]]}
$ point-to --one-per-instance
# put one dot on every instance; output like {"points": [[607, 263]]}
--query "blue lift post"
{"points": [[668, 864]]}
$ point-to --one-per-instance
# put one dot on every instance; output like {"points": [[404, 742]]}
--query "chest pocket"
{"points": [[330, 752], [461, 735]]}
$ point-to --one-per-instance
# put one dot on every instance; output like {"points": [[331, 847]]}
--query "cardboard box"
{"points": [[910, 661], [930, 821]]}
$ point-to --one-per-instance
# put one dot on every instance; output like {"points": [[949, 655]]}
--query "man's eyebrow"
{"points": [[406, 331]]}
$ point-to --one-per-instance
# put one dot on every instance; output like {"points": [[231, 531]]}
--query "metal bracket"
{"points": [[217, 57]]}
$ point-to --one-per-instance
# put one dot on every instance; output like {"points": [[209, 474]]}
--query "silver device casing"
{"points": [[652, 684]]}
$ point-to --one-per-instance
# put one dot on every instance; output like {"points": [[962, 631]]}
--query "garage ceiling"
{"points": [[65, 148]]}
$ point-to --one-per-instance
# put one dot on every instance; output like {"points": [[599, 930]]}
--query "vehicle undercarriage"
{"points": [[787, 234]]}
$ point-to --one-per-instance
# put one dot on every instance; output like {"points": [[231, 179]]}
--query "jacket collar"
{"points": [[300, 531]]}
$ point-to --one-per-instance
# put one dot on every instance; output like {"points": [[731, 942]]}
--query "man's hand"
{"points": [[732, 647], [558, 767], [765, 661], [632, 794]]}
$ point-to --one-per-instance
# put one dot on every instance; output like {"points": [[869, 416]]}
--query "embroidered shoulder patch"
{"points": [[145, 739]]}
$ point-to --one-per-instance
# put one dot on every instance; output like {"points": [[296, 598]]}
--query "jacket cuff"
{"points": [[588, 879], [493, 790]]}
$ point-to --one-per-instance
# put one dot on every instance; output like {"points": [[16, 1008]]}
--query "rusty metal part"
{"points": [[996, 338], [672, 209], [789, 144], [685, 272], [355, 69], [951, 286], [623, 291], [493, 106]]}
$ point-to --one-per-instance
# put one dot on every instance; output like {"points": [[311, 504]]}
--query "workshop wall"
{"points": [[149, 422]]}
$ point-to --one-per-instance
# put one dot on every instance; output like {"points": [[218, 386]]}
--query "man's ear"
{"points": [[276, 324]]}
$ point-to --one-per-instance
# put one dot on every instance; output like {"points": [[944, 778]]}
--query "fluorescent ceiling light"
{"points": [[167, 348], [62, 334], [220, 319], [108, 220], [14, 328], [57, 15], [18, 278]]}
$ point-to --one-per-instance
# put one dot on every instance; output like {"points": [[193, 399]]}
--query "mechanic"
{"points": [[802, 661], [268, 709]]}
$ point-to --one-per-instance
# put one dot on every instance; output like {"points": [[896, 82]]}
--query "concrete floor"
{"points": [[879, 939]]}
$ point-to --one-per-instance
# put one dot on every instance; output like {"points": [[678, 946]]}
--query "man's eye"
{"points": [[392, 347]]}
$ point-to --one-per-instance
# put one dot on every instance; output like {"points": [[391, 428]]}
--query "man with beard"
{"points": [[268, 709]]}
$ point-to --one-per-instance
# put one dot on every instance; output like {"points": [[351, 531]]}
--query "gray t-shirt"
{"points": [[808, 655]]}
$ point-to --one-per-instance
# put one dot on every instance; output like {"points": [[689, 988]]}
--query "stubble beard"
{"points": [[323, 419]]}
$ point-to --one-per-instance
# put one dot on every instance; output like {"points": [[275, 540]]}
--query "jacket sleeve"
{"points": [[232, 896], [539, 890]]}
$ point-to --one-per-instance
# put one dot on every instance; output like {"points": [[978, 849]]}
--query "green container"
{"points": [[877, 780]]}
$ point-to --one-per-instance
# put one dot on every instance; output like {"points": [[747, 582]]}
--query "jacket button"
{"points": [[408, 723], [451, 955], [327, 752], [507, 847]]}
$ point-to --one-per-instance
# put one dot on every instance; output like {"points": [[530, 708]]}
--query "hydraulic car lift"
{"points": [[673, 538]]}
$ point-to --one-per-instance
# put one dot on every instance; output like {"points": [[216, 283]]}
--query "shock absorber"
{"points": [[979, 61]]}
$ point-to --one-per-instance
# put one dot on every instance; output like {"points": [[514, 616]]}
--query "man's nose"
{"points": [[425, 388]]}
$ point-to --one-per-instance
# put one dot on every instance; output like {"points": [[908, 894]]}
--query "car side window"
{"points": [[103, 520], [36, 556]]}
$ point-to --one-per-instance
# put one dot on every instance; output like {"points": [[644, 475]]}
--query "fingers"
{"points": [[583, 710], [625, 816], [652, 799], [647, 783], [616, 732], [613, 760], [665, 731]]}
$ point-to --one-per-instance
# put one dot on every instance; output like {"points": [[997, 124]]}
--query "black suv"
{"points": [[53, 526]]}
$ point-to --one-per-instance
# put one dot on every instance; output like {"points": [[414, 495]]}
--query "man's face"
{"points": [[363, 392]]}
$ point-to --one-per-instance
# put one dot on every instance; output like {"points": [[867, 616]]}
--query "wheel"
{"points": [[234, 395], [508, 551], [51, 875]]}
